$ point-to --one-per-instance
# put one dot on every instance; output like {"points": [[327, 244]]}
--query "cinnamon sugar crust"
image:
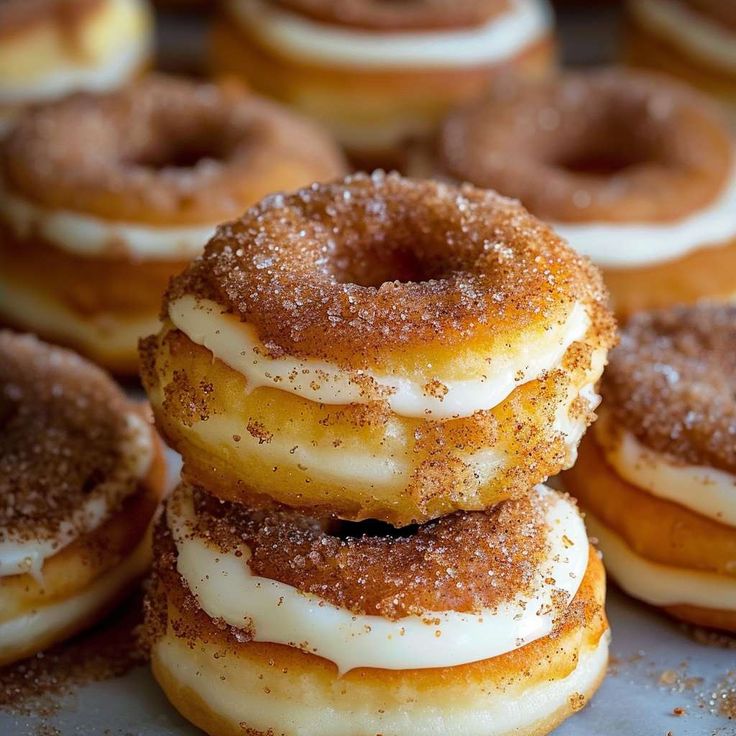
{"points": [[466, 561], [672, 383], [355, 270], [20, 15], [416, 15], [63, 434], [163, 149], [605, 145]]}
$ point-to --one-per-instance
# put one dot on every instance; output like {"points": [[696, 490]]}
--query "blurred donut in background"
{"points": [[380, 74], [51, 48]]}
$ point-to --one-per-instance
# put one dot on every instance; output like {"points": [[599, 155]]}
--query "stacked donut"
{"points": [[367, 380]]}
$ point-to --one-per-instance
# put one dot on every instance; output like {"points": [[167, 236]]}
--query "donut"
{"points": [[693, 40], [380, 348], [633, 170], [104, 198], [380, 74], [479, 623], [50, 48], [657, 474], [81, 475]]}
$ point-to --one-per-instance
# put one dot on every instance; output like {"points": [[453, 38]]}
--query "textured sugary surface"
{"points": [[658, 671]]}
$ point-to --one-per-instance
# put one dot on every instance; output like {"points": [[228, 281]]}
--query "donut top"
{"points": [[441, 565], [408, 15], [163, 149], [672, 383], [355, 270], [62, 438], [19, 15], [608, 145]]}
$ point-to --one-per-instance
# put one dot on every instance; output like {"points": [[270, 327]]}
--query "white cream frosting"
{"points": [[707, 491], [523, 24], [19, 555], [237, 344], [242, 692], [691, 31], [54, 618], [275, 612], [657, 584], [118, 48], [99, 334], [622, 245], [87, 235]]}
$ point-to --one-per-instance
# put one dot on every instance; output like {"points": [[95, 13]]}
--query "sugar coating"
{"points": [[162, 146], [672, 383], [610, 145], [354, 270], [63, 433]]}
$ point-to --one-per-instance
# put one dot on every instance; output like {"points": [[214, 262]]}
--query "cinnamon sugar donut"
{"points": [[379, 348], [480, 623], [694, 40], [103, 198], [81, 475], [657, 475], [380, 74], [50, 48], [635, 171]]}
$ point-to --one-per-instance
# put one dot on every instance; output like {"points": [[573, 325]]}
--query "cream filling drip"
{"points": [[275, 612], [691, 31], [657, 584], [237, 692], [237, 344], [622, 245], [87, 235], [19, 555], [706, 491], [293, 35], [20, 634], [120, 44], [102, 334]]}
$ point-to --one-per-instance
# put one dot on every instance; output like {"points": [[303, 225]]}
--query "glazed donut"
{"points": [[81, 475], [379, 348], [633, 170], [380, 74], [103, 198], [480, 623], [657, 474], [694, 40], [50, 48]]}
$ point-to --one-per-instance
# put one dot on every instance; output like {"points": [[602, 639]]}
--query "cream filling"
{"points": [[102, 334], [19, 555], [275, 612], [706, 491], [247, 695], [87, 235], [692, 32], [657, 584], [21, 634], [526, 22], [237, 344], [624, 245], [117, 46]]}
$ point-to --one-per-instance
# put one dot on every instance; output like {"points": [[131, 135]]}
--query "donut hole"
{"points": [[601, 163], [342, 529], [372, 269], [185, 152]]}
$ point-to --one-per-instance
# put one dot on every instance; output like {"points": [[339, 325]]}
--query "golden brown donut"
{"points": [[277, 623], [693, 40], [634, 170], [51, 48], [81, 475], [104, 198], [379, 348], [379, 74], [656, 475]]}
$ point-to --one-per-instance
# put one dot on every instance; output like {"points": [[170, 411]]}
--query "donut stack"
{"points": [[367, 380]]}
